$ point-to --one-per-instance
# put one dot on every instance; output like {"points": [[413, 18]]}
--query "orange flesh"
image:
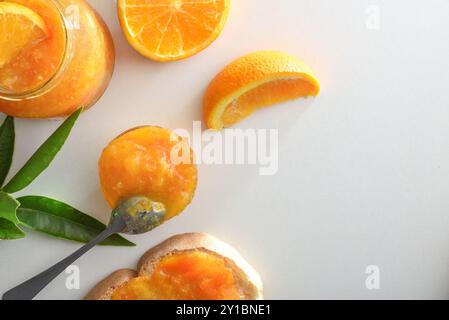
{"points": [[265, 95], [191, 275], [139, 163], [36, 65], [172, 28]]}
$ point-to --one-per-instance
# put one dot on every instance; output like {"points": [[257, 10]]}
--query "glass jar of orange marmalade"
{"points": [[70, 68]]}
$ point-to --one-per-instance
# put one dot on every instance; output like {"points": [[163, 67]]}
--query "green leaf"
{"points": [[8, 218], [42, 158], [7, 137], [8, 207], [63, 221], [9, 231]]}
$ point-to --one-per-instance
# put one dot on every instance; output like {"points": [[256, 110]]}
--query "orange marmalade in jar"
{"points": [[55, 57]]}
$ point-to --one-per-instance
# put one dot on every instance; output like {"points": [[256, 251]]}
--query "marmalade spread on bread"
{"points": [[187, 275]]}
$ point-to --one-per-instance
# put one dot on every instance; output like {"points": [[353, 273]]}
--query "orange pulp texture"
{"points": [[20, 28], [138, 163], [189, 275], [265, 95], [167, 30]]}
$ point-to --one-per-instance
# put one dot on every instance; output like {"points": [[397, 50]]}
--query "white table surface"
{"points": [[363, 169]]}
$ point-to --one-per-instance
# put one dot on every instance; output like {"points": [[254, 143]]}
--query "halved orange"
{"points": [[257, 80], [19, 27], [167, 30]]}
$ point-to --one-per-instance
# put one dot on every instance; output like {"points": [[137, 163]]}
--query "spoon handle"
{"points": [[30, 288]]}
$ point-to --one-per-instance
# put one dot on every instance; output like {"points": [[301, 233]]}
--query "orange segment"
{"points": [[254, 81], [167, 30], [190, 275], [20, 27], [139, 163]]}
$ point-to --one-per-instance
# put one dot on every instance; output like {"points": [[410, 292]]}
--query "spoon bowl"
{"points": [[140, 214]]}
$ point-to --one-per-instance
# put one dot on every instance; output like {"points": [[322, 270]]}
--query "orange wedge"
{"points": [[20, 27], [168, 30], [257, 80]]}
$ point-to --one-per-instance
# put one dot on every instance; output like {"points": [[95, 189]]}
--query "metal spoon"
{"points": [[134, 216]]}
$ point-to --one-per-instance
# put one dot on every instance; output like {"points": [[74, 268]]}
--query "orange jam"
{"points": [[139, 163], [36, 65], [189, 275], [70, 68]]}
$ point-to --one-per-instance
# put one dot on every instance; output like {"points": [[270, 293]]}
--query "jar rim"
{"points": [[46, 86]]}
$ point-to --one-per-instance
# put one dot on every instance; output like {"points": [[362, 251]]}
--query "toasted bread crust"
{"points": [[247, 279], [104, 289]]}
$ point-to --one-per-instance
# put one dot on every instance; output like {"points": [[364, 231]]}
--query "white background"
{"points": [[363, 169]]}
